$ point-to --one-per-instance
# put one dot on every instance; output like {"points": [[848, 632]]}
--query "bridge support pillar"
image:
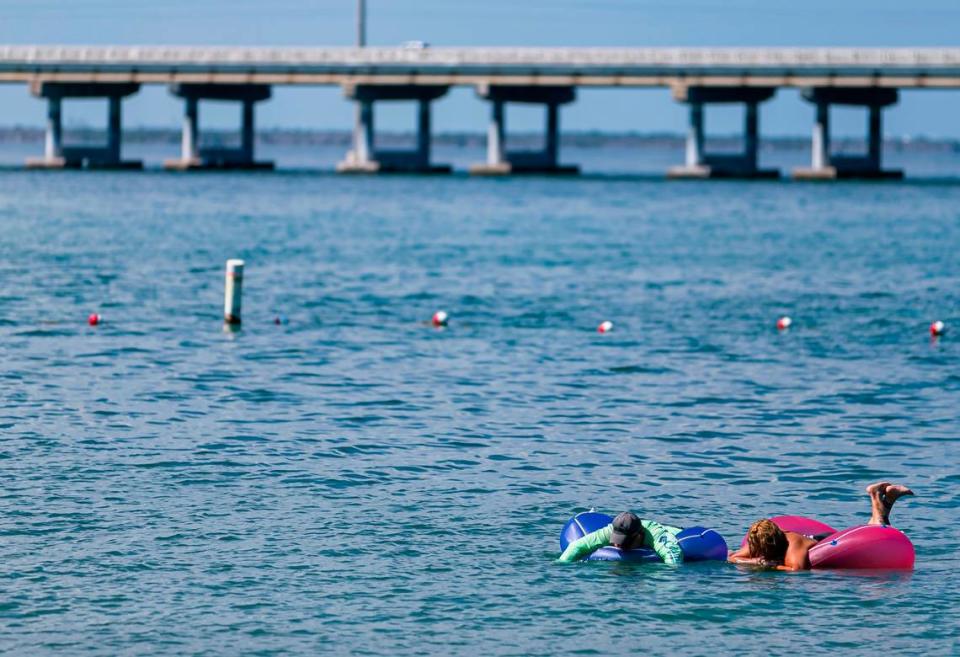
{"points": [[193, 155], [58, 156], [826, 166], [699, 163], [501, 161], [365, 157]]}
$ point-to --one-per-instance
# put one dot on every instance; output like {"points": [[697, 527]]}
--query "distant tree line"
{"points": [[580, 139]]}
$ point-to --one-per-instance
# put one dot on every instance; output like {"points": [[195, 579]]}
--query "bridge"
{"points": [[549, 77]]}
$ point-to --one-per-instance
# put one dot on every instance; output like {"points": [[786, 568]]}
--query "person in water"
{"points": [[626, 532], [768, 545]]}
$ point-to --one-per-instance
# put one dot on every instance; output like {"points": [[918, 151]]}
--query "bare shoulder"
{"points": [[793, 538], [798, 551]]}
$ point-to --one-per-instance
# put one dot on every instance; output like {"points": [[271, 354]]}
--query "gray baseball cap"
{"points": [[625, 527]]}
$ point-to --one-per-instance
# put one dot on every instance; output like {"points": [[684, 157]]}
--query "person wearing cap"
{"points": [[626, 532]]}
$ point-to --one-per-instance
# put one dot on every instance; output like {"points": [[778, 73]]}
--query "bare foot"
{"points": [[893, 492], [877, 489]]}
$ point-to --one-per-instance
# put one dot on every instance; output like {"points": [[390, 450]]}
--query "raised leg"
{"points": [[883, 495]]}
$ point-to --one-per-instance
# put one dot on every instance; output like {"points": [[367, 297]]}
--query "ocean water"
{"points": [[357, 482]]}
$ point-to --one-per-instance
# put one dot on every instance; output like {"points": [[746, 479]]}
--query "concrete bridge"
{"points": [[548, 77]]}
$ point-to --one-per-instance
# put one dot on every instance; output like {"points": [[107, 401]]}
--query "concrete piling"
{"points": [[824, 165], [233, 292], [193, 155], [694, 148], [361, 159], [53, 144], [496, 137], [58, 156], [188, 142], [820, 148], [700, 164], [365, 157], [500, 160]]}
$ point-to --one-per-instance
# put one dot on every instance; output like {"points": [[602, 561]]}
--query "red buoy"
{"points": [[440, 318], [784, 323], [937, 328], [94, 319], [605, 326]]}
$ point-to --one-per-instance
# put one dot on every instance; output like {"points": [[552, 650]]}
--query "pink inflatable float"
{"points": [[863, 546]]}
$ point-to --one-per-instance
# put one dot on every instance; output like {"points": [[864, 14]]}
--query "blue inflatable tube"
{"points": [[696, 543]]}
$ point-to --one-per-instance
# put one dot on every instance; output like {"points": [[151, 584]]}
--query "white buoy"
{"points": [[605, 326], [937, 328], [233, 291], [784, 323], [440, 318]]}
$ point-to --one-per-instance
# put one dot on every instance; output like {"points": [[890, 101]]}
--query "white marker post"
{"points": [[232, 292]]}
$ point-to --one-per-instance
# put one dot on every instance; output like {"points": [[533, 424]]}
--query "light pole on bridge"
{"points": [[363, 112], [361, 23]]}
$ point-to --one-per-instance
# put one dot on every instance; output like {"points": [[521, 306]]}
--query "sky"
{"points": [[923, 23]]}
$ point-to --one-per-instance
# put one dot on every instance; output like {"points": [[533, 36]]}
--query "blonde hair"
{"points": [[767, 541]]}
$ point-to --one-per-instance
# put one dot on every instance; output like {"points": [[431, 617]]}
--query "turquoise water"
{"points": [[356, 481]]}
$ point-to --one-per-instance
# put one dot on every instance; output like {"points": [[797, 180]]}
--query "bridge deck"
{"points": [[604, 67]]}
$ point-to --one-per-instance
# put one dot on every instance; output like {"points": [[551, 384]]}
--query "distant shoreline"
{"points": [[580, 139]]}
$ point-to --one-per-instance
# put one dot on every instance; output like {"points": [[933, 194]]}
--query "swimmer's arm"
{"points": [[586, 545], [759, 562], [664, 542], [748, 561], [739, 556], [743, 556]]}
